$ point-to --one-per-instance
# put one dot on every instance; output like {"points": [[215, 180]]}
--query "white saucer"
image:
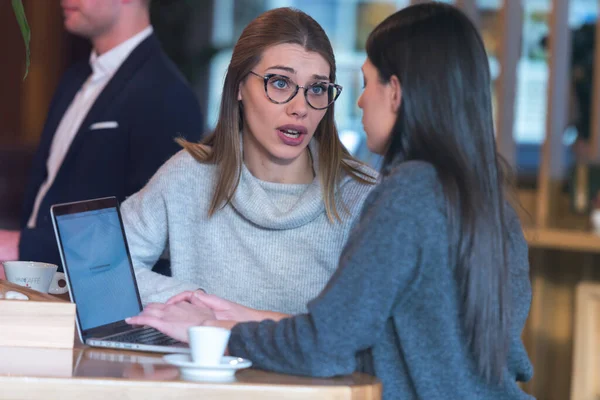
{"points": [[223, 371]]}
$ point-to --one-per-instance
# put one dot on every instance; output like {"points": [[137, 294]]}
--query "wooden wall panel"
{"points": [[552, 164], [11, 74], [595, 113], [48, 54], [24, 103]]}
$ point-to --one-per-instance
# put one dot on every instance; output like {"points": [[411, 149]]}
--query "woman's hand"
{"points": [[224, 309], [173, 319], [183, 296]]}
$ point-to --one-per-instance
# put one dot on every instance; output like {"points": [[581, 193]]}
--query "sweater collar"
{"points": [[254, 203]]}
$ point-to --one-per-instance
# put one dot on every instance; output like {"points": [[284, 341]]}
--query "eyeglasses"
{"points": [[281, 89]]}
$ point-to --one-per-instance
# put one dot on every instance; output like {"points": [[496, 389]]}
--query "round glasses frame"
{"points": [[306, 88]]}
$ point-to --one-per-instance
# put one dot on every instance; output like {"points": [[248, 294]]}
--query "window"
{"points": [[348, 23]]}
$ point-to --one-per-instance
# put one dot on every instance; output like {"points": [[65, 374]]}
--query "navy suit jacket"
{"points": [[152, 105]]}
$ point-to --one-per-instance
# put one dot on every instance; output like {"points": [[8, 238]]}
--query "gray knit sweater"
{"points": [[272, 248], [392, 309]]}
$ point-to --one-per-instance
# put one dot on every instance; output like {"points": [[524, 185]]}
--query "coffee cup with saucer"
{"points": [[206, 360]]}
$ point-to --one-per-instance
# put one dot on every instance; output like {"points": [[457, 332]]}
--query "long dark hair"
{"points": [[445, 118]]}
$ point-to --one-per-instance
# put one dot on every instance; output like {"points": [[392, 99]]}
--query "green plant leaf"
{"points": [[25, 31]]}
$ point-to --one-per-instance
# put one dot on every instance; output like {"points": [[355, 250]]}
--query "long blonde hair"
{"points": [[222, 147]]}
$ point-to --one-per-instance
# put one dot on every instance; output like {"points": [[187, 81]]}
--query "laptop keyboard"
{"points": [[146, 336]]}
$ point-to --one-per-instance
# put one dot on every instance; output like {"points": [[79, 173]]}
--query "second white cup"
{"points": [[35, 275], [208, 344]]}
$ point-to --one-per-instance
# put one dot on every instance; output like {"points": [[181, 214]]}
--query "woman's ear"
{"points": [[239, 95], [396, 93]]}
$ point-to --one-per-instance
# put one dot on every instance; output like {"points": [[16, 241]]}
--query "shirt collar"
{"points": [[108, 63]]}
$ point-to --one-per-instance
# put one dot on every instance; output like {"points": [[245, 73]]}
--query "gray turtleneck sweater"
{"points": [[272, 248]]}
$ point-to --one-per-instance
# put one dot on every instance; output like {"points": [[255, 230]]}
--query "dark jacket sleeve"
{"points": [[39, 244], [377, 265], [152, 137]]}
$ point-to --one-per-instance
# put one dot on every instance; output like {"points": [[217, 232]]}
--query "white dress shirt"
{"points": [[103, 69]]}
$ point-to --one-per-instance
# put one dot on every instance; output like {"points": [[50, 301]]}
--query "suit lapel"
{"points": [[72, 84], [116, 85]]}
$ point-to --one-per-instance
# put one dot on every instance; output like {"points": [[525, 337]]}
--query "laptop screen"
{"points": [[97, 263]]}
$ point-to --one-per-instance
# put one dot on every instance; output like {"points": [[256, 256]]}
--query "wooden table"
{"points": [[563, 239], [107, 374]]}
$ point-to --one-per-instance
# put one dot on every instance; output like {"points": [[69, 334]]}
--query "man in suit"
{"points": [[111, 124]]}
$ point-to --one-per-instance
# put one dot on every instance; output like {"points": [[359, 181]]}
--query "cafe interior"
{"points": [[545, 66]]}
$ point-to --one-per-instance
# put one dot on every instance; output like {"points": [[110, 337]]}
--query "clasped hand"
{"points": [[172, 319], [189, 309]]}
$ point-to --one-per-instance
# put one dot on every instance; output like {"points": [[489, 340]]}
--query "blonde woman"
{"points": [[259, 212]]}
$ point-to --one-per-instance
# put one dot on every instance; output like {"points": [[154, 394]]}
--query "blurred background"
{"points": [[542, 58]]}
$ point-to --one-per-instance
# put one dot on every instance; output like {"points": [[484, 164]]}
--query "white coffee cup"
{"points": [[208, 344], [35, 275]]}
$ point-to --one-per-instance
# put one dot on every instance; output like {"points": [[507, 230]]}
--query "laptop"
{"points": [[100, 278]]}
